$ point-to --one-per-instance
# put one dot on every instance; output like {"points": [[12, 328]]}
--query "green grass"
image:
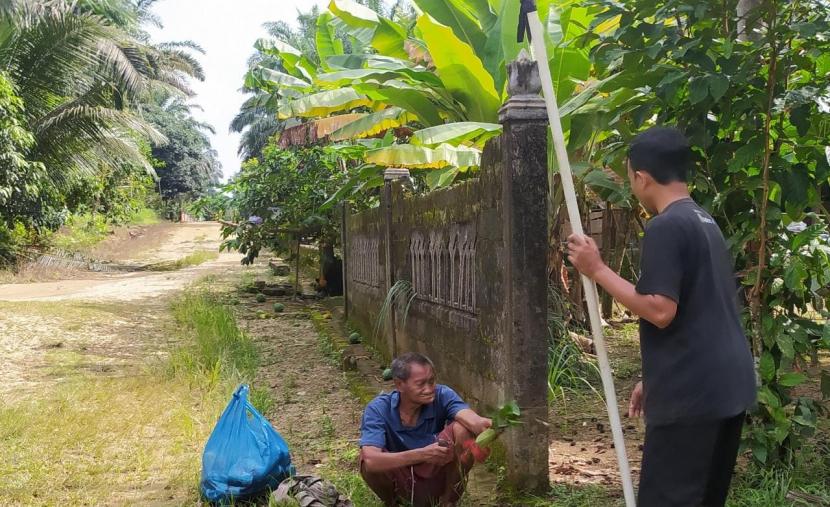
{"points": [[214, 347], [144, 216], [81, 232], [127, 440], [566, 495], [194, 259], [755, 486], [90, 441]]}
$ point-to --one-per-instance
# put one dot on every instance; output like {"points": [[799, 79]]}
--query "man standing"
{"points": [[698, 373], [415, 443]]}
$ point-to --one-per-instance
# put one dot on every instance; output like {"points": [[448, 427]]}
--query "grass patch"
{"points": [[125, 440], [194, 259], [144, 216], [108, 440], [213, 347], [80, 232], [83, 231], [754, 486], [341, 469]]}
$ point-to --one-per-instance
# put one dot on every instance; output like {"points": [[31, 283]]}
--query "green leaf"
{"points": [[800, 117], [348, 76], [759, 451], [582, 128], [766, 397], [389, 39], [698, 90], [795, 273], [294, 62], [327, 42], [803, 421], [360, 37], [718, 84], [365, 25], [483, 12], [766, 366], [277, 79], [420, 157], [568, 66], [825, 385], [807, 235], [323, 103], [354, 14], [439, 178], [461, 71], [748, 154], [792, 379], [606, 187], [459, 17], [492, 55], [785, 343], [413, 99], [508, 21], [456, 133], [373, 124], [583, 97], [363, 175]]}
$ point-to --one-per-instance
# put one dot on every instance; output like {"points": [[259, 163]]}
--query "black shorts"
{"points": [[689, 465]]}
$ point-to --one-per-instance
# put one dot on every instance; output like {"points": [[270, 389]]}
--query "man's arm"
{"points": [[472, 421], [375, 460], [655, 308]]}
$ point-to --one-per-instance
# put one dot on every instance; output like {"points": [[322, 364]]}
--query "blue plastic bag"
{"points": [[244, 455]]}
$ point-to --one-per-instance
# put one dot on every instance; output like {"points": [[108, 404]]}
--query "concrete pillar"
{"points": [[525, 193], [390, 177], [344, 246]]}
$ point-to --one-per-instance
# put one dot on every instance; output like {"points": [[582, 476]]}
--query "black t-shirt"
{"points": [[699, 368]]}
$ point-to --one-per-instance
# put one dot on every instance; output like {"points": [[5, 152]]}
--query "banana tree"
{"points": [[444, 79]]}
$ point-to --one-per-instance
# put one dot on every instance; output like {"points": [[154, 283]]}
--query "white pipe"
{"points": [[590, 288]]}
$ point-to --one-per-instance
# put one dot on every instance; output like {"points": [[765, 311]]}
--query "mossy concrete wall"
{"points": [[475, 255]]}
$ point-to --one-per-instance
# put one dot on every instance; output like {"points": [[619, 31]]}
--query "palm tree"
{"points": [[70, 72], [83, 69]]}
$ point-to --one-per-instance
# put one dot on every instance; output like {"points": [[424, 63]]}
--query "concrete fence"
{"points": [[475, 258]]}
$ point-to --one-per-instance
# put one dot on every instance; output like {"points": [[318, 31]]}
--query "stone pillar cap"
{"points": [[395, 173], [523, 87]]}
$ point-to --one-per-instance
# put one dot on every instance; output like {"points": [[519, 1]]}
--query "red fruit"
{"points": [[479, 455]]}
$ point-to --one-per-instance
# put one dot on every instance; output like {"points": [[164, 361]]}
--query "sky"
{"points": [[227, 30]]}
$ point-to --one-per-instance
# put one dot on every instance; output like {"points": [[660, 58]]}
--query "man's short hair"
{"points": [[662, 152], [401, 366]]}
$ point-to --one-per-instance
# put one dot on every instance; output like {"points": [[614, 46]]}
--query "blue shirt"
{"points": [[382, 426]]}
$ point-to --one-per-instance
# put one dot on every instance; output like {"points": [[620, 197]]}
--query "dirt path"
{"points": [[182, 240], [88, 356]]}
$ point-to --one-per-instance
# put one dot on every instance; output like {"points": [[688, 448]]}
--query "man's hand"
{"points": [[436, 454], [480, 424], [635, 406], [583, 253], [474, 423]]}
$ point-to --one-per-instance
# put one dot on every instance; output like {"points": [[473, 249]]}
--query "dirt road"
{"points": [[183, 240]]}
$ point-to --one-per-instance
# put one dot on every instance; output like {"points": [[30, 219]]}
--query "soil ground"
{"points": [[86, 417]]}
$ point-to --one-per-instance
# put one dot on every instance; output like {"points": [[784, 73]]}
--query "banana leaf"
{"points": [[372, 124], [421, 157], [460, 70], [456, 134]]}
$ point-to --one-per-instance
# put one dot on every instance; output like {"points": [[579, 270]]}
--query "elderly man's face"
{"points": [[420, 386]]}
